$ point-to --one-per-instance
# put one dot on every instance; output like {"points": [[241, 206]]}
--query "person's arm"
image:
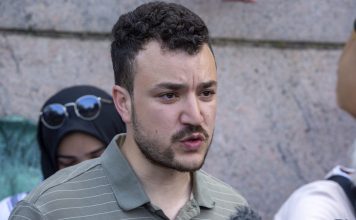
{"points": [[319, 200], [26, 211], [346, 83], [306, 207]]}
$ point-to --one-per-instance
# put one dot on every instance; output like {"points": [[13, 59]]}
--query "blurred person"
{"points": [[335, 197], [71, 118], [165, 91], [75, 124], [346, 92]]}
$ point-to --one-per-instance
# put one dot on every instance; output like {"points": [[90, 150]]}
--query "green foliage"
{"points": [[19, 156]]}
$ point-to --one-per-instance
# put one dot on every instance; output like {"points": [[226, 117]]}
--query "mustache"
{"points": [[189, 130]]}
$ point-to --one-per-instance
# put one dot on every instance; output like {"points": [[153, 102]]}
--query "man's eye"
{"points": [[208, 92], [168, 97]]}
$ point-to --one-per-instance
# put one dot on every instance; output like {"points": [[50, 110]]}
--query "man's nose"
{"points": [[191, 111]]}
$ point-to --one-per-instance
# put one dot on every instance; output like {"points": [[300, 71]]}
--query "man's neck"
{"points": [[167, 188], [169, 194]]}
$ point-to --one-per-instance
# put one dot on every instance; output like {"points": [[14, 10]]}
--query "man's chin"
{"points": [[184, 167], [189, 162]]}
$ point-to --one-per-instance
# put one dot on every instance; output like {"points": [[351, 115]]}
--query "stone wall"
{"points": [[278, 124]]}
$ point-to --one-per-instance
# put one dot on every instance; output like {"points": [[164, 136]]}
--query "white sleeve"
{"points": [[320, 200], [5, 209]]}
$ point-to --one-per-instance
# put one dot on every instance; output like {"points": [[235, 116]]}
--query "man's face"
{"points": [[174, 106]]}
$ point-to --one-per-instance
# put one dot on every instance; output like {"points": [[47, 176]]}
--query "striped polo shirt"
{"points": [[108, 188]]}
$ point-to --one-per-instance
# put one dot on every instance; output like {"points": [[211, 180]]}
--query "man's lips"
{"points": [[193, 142], [195, 136]]}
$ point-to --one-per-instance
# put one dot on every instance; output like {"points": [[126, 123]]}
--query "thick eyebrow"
{"points": [[170, 86], [177, 86], [209, 84]]}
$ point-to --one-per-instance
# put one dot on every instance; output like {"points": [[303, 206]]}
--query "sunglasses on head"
{"points": [[86, 107]]}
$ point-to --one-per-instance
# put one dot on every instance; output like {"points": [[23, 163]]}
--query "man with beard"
{"points": [[165, 92]]}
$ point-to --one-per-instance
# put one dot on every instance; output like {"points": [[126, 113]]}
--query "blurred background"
{"points": [[278, 123]]}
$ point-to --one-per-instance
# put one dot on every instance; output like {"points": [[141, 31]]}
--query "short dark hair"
{"points": [[174, 26]]}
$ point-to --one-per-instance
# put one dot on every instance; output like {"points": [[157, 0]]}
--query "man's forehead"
{"points": [[152, 55], [155, 66]]}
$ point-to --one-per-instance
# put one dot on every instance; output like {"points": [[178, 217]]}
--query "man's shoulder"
{"points": [[221, 191]]}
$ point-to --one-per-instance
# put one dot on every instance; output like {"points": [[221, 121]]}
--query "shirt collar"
{"points": [[201, 190], [128, 191]]}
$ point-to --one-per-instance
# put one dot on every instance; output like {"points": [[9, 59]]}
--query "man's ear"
{"points": [[122, 102]]}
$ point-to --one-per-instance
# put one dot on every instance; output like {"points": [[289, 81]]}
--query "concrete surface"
{"points": [[292, 20]]}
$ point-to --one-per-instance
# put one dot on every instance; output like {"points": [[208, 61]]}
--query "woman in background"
{"points": [[74, 125]]}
